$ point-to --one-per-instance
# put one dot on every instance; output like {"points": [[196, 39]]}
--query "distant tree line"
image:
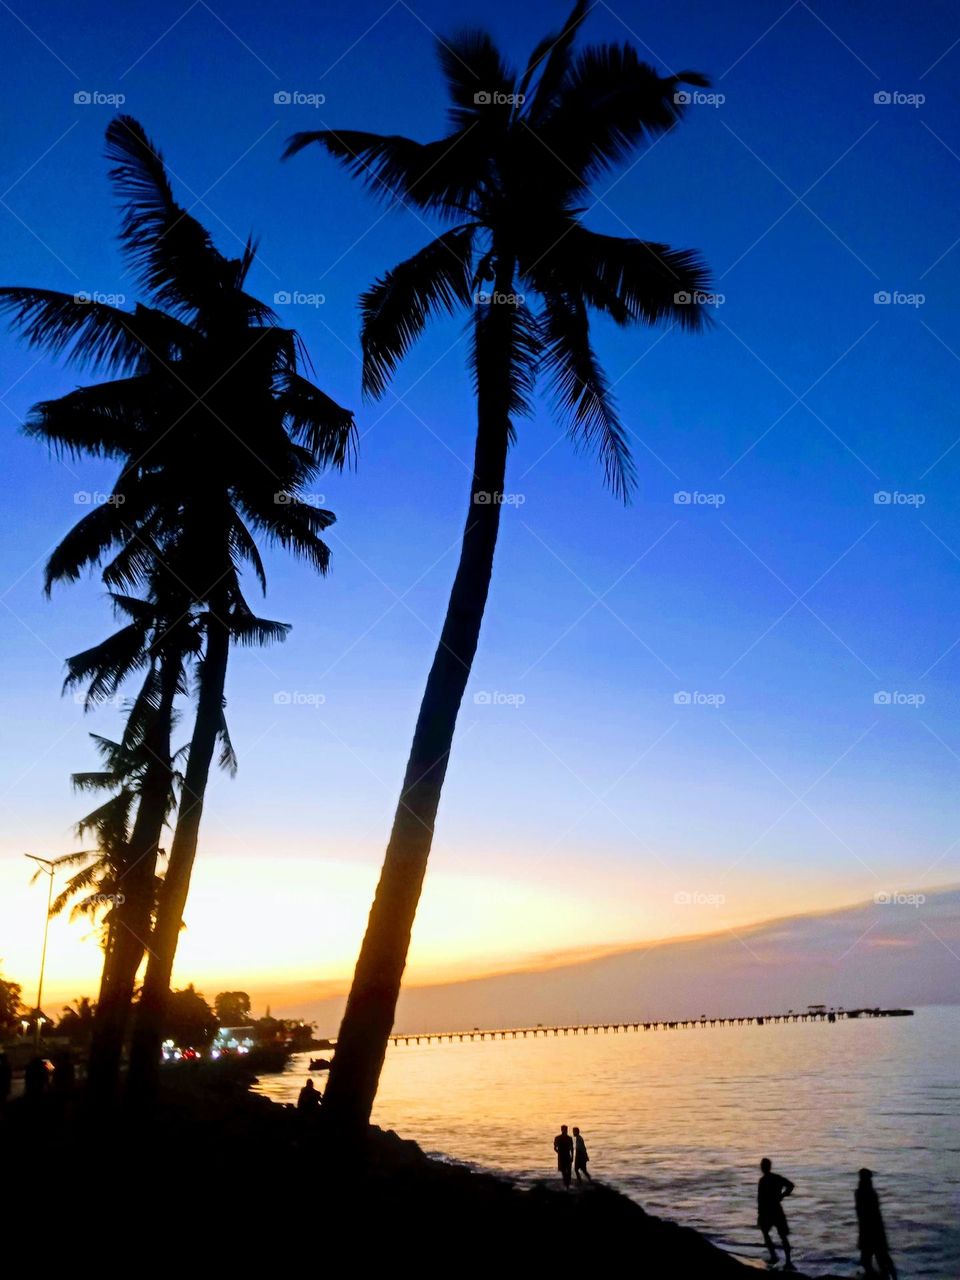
{"points": [[189, 1021]]}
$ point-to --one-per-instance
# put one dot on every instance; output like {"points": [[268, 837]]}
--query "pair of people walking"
{"points": [[773, 1189], [571, 1155]]}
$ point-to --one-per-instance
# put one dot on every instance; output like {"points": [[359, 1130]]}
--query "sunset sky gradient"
{"points": [[595, 806]]}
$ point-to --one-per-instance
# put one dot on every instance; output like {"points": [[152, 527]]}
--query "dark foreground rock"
{"points": [[209, 1170]]}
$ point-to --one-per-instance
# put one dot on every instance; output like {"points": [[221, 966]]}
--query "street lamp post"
{"points": [[45, 866]]}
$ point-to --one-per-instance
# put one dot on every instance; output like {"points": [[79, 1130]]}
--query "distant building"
{"points": [[233, 1040]]}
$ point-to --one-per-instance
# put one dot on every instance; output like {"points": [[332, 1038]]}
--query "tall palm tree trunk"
{"points": [[371, 1006], [130, 923], [148, 1029]]}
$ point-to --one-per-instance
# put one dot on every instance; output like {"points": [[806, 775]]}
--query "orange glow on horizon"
{"points": [[287, 929]]}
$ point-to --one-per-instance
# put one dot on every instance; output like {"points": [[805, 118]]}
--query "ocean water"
{"points": [[679, 1120]]}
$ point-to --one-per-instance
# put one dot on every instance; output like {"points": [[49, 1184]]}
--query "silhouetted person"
{"points": [[563, 1146], [308, 1103], [6, 1078], [771, 1191], [872, 1239], [35, 1079], [64, 1074], [580, 1156]]}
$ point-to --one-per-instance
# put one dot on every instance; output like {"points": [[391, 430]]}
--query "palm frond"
{"points": [[87, 332], [134, 566], [243, 545], [582, 391], [317, 421], [479, 83], [172, 254], [153, 701], [103, 421], [110, 819], [630, 280], [551, 58], [295, 526], [84, 546], [396, 308], [79, 858], [246, 629], [133, 607], [506, 345], [228, 757], [108, 664], [610, 102], [91, 782], [439, 175]]}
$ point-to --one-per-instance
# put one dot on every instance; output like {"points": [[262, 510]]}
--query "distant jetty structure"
{"points": [[813, 1013]]}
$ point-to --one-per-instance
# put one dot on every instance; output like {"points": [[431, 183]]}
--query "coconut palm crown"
{"points": [[514, 174]]}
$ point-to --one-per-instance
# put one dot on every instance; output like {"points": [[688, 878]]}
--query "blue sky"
{"points": [[796, 599]]}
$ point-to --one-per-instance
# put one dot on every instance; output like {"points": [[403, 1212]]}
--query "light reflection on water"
{"points": [[678, 1120]]}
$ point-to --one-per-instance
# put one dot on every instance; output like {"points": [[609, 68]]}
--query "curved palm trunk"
{"points": [[371, 1006], [148, 1028], [130, 925]]}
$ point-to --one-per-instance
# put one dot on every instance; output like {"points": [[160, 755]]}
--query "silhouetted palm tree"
{"points": [[140, 769], [218, 434], [158, 640], [93, 887], [77, 1019], [513, 175]]}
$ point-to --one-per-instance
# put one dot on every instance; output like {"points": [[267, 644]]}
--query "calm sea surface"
{"points": [[678, 1120]]}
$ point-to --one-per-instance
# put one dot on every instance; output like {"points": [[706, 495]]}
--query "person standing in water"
{"points": [[772, 1190], [563, 1146], [872, 1239], [580, 1156]]}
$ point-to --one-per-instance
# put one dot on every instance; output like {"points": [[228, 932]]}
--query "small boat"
{"points": [[319, 1064]]}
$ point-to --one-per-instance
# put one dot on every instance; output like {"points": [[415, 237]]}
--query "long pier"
{"points": [[815, 1014]]}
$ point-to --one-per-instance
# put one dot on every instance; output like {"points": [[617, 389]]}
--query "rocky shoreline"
{"points": [[223, 1155]]}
